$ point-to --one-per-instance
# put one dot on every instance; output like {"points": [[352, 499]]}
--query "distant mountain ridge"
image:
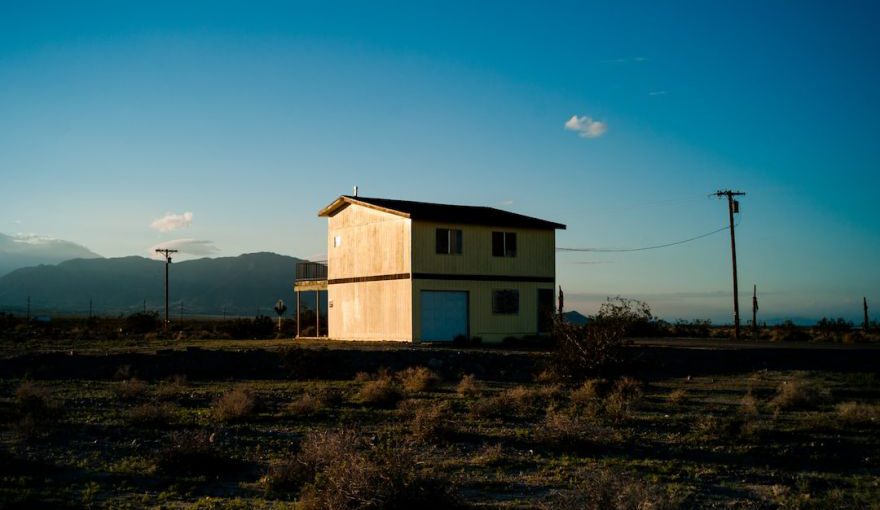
{"points": [[29, 250], [241, 285]]}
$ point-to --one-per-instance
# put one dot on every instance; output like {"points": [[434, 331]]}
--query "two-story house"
{"points": [[414, 271]]}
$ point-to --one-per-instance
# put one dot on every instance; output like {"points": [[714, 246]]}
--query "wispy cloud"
{"points": [[29, 238], [172, 221], [657, 93], [505, 202], [187, 246], [586, 126]]}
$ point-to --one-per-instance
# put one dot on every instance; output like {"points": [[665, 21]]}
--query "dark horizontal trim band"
{"points": [[377, 278], [483, 277]]}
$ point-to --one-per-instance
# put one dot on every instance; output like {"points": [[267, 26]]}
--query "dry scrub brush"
{"points": [[418, 379], [35, 410], [130, 389], [858, 413], [609, 490], [237, 404], [193, 453], [382, 392], [342, 470], [469, 386], [797, 394], [314, 402], [152, 415]]}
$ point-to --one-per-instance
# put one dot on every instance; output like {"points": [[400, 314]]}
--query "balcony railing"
{"points": [[311, 271]]}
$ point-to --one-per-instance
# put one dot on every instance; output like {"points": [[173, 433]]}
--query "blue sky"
{"points": [[252, 116]]}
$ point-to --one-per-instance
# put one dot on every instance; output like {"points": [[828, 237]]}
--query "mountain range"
{"points": [[25, 250], [244, 285]]}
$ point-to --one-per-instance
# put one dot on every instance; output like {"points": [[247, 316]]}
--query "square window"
{"points": [[448, 241], [505, 302], [504, 244]]}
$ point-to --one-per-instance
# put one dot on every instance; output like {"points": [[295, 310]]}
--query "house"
{"points": [[415, 271]]}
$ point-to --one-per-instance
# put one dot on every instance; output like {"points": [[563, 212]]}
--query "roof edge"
{"points": [[345, 200]]}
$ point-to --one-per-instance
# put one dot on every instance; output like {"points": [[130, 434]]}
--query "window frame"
{"points": [[452, 241], [497, 310], [504, 244]]}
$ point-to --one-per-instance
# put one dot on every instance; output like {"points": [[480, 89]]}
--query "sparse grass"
{"points": [[151, 415], [237, 404], [171, 388], [381, 392], [130, 389], [519, 402], [193, 453], [677, 396], [609, 490], [418, 379], [535, 445], [858, 413], [469, 386]]}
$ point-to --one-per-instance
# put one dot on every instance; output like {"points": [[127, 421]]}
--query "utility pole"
{"points": [[167, 253], [29, 310], [865, 304], [732, 208], [90, 308], [754, 312]]}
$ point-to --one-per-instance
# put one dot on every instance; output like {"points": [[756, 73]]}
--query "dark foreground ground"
{"points": [[696, 426]]}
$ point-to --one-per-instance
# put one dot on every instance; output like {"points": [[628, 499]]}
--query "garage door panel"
{"points": [[444, 315]]}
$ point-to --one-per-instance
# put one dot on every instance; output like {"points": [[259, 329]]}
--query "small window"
{"points": [[337, 241], [449, 241], [505, 302], [504, 244]]}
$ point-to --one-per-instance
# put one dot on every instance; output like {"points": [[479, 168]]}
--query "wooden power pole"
{"points": [[733, 208], [865, 305], [754, 312], [167, 253]]}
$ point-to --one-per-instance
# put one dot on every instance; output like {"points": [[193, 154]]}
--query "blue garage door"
{"points": [[444, 315]]}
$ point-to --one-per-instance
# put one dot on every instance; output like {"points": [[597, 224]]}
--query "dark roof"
{"points": [[445, 213]]}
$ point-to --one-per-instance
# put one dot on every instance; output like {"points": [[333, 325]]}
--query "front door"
{"points": [[444, 315]]}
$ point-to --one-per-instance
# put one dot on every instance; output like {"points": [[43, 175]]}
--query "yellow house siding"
{"points": [[483, 323], [371, 243], [535, 251], [370, 311]]}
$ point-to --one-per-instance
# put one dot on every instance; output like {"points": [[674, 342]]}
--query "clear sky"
{"points": [[251, 116]]}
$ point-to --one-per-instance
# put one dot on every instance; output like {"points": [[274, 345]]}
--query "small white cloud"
{"points": [[186, 246], [172, 221], [586, 127], [506, 202], [657, 93]]}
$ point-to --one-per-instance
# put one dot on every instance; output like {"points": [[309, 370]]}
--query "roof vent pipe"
{"points": [[355, 191]]}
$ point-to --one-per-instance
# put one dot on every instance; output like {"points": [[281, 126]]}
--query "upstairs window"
{"points": [[449, 241], [504, 244], [505, 302]]}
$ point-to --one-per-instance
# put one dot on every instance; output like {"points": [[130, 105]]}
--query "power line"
{"points": [[622, 250]]}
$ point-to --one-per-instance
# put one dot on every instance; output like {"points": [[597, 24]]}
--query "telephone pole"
{"points": [[733, 208], [865, 304], [754, 312], [167, 253]]}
